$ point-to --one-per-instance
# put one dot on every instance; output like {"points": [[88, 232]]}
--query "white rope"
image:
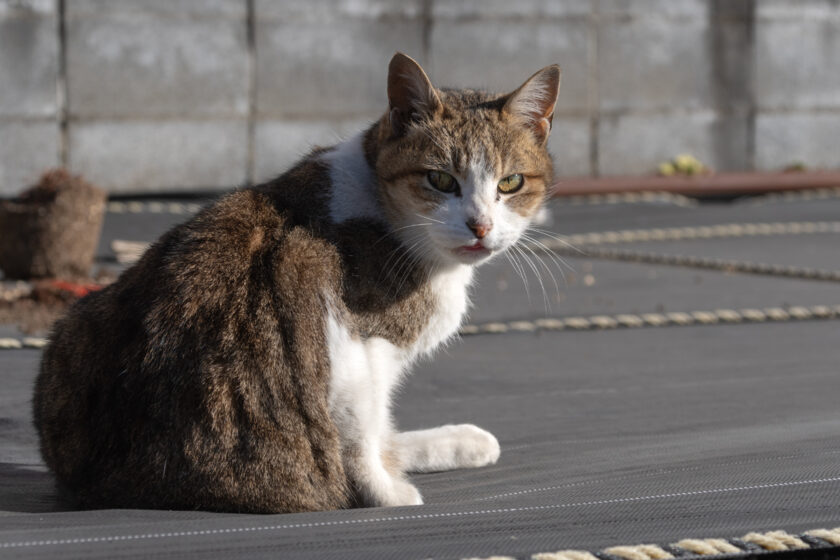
{"points": [[565, 555], [694, 232], [770, 541], [829, 535], [630, 321], [707, 546], [639, 552], [154, 207], [797, 196], [646, 197], [775, 541]]}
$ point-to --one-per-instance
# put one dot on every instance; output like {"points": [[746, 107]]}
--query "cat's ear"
{"points": [[533, 103], [410, 93]]}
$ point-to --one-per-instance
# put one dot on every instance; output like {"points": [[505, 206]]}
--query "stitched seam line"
{"points": [[207, 532]]}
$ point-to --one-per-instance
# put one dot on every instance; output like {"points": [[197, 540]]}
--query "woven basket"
{"points": [[52, 229]]}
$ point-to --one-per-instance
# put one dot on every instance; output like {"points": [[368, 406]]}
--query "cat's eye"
{"points": [[511, 183], [442, 181]]}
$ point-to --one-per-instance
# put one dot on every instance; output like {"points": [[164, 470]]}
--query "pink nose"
{"points": [[478, 228]]}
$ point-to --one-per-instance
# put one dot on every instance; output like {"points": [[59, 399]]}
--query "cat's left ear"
{"points": [[411, 94], [533, 103]]}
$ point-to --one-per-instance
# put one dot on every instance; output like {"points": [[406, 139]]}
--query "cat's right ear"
{"points": [[411, 94]]}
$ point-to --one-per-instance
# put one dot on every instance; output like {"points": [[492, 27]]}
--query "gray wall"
{"points": [[151, 95]]}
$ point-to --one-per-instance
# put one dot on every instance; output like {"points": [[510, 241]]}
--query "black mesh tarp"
{"points": [[610, 436]]}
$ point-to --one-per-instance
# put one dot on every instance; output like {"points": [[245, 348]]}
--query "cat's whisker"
{"points": [[392, 232], [408, 261], [519, 272], [536, 272], [419, 215], [414, 260], [538, 245], [555, 260], [560, 239], [558, 261], [543, 247], [546, 299], [548, 270], [400, 253]]}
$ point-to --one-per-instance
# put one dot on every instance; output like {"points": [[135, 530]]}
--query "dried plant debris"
{"points": [[51, 230]]}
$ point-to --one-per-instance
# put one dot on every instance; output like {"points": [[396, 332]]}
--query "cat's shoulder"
{"points": [[353, 184]]}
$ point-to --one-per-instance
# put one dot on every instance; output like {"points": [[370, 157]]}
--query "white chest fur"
{"points": [[363, 374], [450, 288], [367, 370]]}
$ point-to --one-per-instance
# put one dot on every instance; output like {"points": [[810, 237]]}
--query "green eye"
{"points": [[511, 183], [444, 182]]}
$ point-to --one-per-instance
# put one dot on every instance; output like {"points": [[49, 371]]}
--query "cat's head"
{"points": [[463, 172]]}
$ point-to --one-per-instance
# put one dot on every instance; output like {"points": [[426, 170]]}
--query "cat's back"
{"points": [[203, 355]]}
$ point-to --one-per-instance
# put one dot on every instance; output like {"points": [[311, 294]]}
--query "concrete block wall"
{"points": [[179, 95], [29, 94], [797, 90]]}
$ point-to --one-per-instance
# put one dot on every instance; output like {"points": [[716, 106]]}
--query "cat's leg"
{"points": [[375, 483], [363, 375], [445, 448]]}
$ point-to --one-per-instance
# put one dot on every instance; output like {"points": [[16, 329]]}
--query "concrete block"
{"points": [[279, 144], [148, 65], [782, 139], [138, 156], [800, 9], [569, 145], [500, 55], [27, 8], [27, 149], [654, 63], [28, 59], [162, 8], [324, 70], [488, 9], [637, 144], [655, 8], [798, 64], [324, 11]]}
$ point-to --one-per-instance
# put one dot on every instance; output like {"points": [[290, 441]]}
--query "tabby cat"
{"points": [[246, 362]]}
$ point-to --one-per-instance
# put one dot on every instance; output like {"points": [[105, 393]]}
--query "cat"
{"points": [[246, 362]]}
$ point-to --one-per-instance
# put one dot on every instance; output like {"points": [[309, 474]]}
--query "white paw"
{"points": [[472, 446], [445, 448], [401, 493]]}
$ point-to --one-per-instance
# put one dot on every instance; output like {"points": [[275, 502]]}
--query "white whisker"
{"points": [[392, 232], [560, 239], [548, 269], [419, 215], [536, 272], [519, 272]]}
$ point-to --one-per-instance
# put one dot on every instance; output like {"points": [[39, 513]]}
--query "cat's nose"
{"points": [[479, 228]]}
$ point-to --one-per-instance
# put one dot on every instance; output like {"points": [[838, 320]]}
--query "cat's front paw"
{"points": [[407, 494], [460, 446], [401, 493], [472, 446]]}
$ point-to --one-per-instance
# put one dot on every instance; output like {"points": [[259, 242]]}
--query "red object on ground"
{"points": [[78, 290]]}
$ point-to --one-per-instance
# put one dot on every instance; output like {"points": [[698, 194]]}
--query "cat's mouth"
{"points": [[476, 249]]}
